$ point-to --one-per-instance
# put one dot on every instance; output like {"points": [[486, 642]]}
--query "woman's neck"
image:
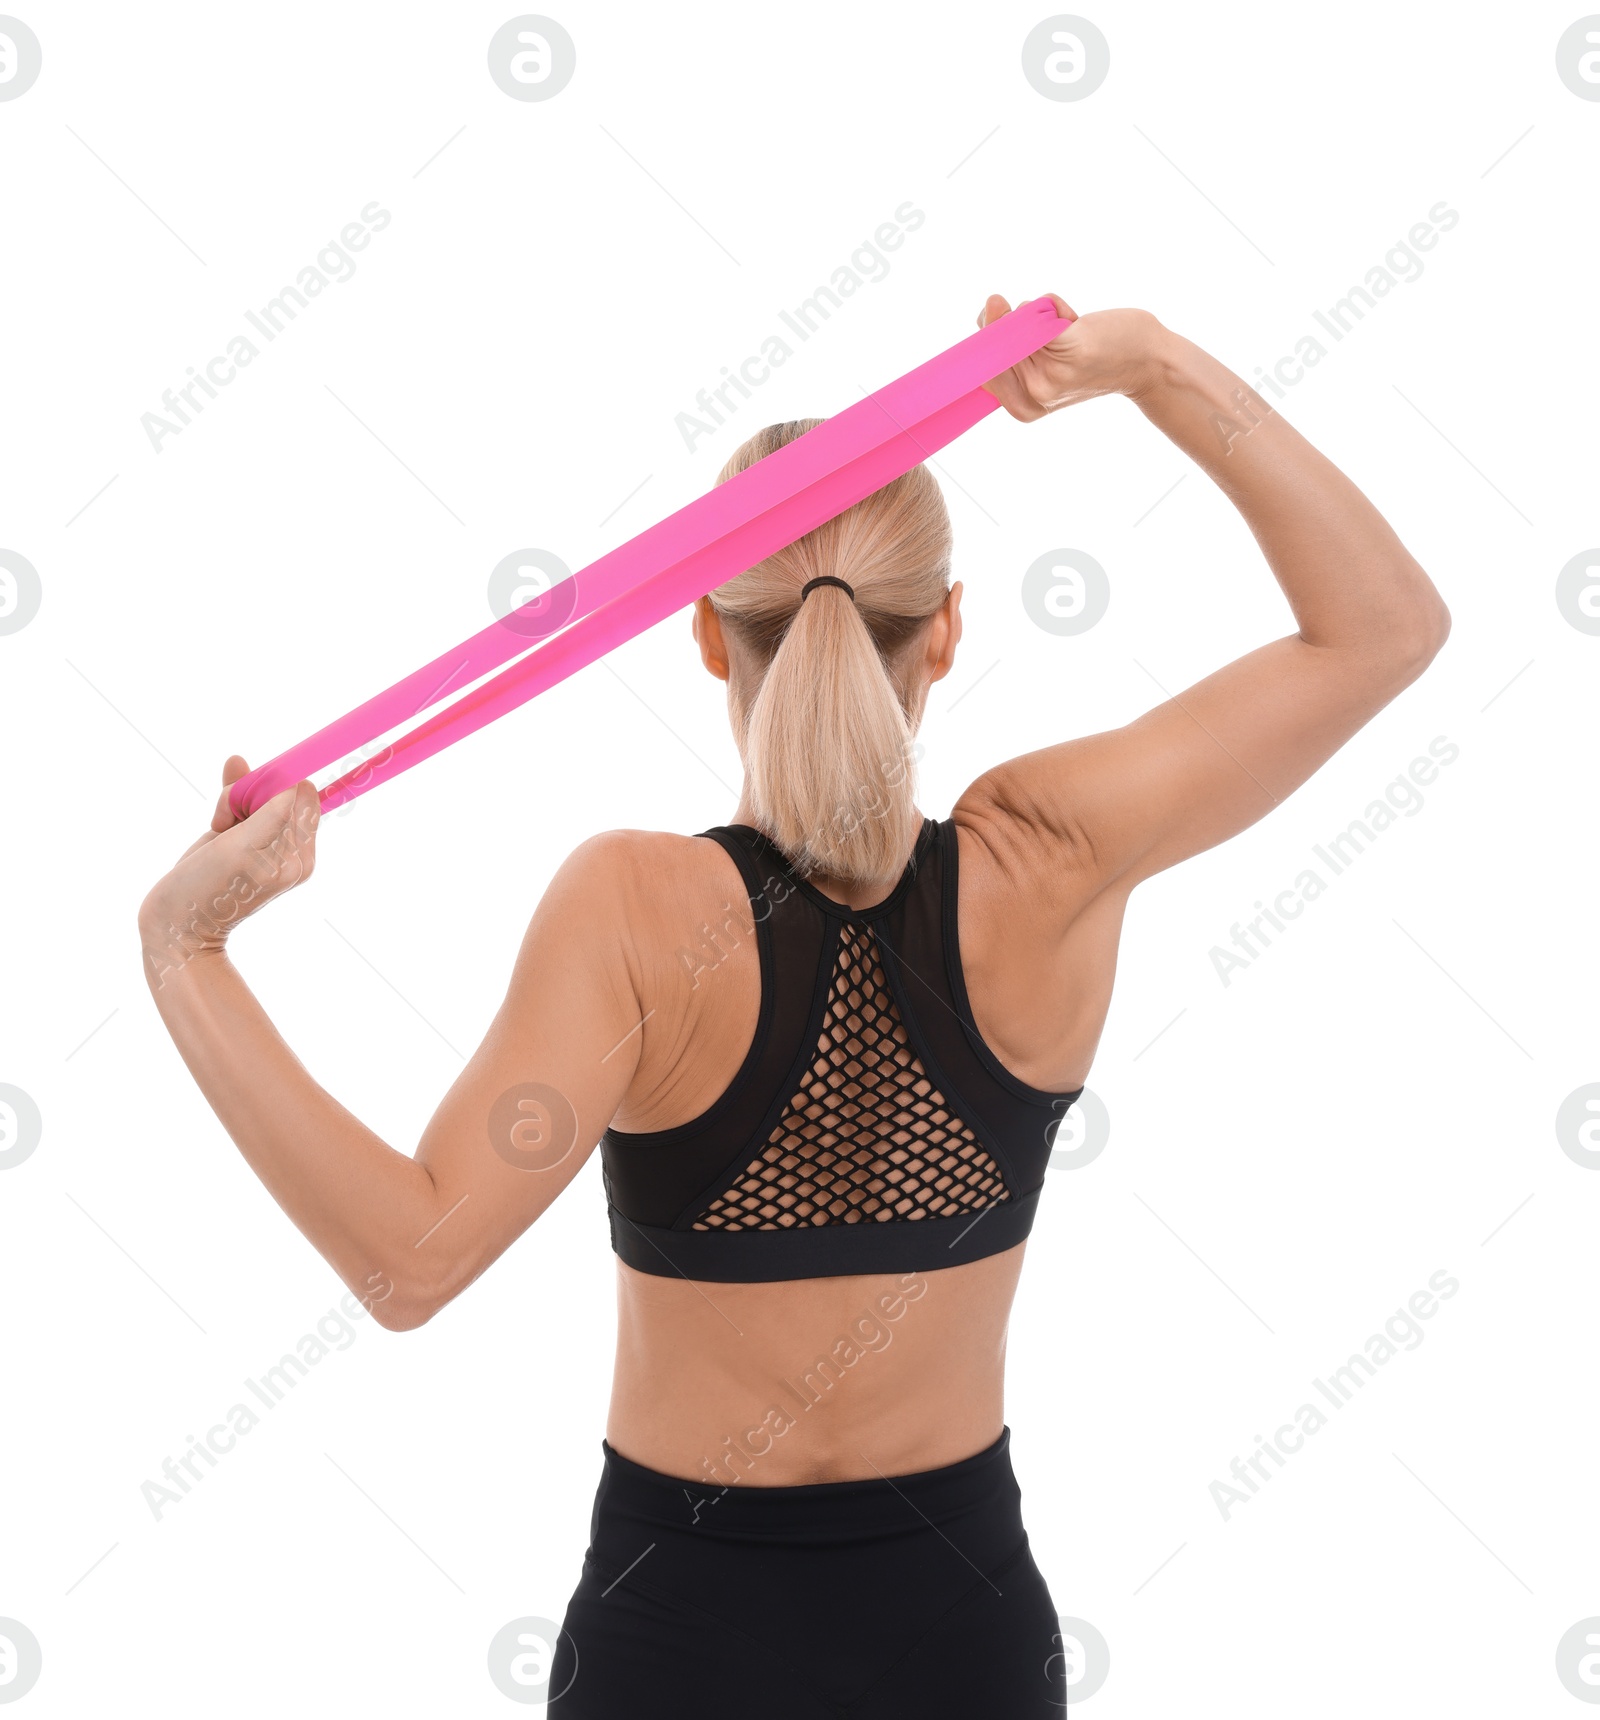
{"points": [[849, 892]]}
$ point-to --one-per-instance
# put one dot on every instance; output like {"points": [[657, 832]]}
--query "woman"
{"points": [[827, 1047]]}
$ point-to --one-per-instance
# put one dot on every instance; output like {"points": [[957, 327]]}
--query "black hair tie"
{"points": [[826, 579]]}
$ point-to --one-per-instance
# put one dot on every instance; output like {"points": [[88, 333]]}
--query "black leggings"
{"points": [[910, 1596]]}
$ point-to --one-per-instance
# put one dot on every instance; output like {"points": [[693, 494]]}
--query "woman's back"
{"points": [[823, 1172]]}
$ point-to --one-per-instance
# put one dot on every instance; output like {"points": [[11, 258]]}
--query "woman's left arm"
{"points": [[405, 1234]]}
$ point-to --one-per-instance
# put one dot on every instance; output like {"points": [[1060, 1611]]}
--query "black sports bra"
{"points": [[869, 1128]]}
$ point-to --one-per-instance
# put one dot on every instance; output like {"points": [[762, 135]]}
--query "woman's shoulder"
{"points": [[663, 909], [661, 885], [650, 858], [624, 852]]}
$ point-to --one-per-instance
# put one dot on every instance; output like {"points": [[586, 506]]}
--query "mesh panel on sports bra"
{"points": [[867, 1137]]}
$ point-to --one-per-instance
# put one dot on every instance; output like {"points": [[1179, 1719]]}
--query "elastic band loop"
{"points": [[826, 579], [713, 539]]}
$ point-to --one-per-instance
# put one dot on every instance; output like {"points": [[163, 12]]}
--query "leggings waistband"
{"points": [[895, 1597], [982, 1487]]}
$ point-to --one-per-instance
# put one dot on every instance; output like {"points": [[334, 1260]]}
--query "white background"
{"points": [[1290, 1160]]}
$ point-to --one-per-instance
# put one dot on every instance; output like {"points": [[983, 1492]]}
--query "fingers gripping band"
{"points": [[826, 579], [714, 538]]}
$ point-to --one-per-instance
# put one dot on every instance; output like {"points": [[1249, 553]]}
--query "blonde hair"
{"points": [[826, 732]]}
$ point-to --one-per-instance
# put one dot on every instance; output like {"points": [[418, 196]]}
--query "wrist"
{"points": [[1160, 365], [173, 938]]}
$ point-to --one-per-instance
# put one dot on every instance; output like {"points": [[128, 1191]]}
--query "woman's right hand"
{"points": [[1103, 352], [236, 867]]}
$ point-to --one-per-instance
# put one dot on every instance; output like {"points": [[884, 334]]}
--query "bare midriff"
{"points": [[811, 1380]]}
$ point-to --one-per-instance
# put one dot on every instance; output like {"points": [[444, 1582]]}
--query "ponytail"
{"points": [[827, 733]]}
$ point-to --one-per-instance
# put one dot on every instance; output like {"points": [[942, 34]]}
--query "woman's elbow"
{"points": [[397, 1300], [414, 1296], [1421, 635], [404, 1313], [1440, 626]]}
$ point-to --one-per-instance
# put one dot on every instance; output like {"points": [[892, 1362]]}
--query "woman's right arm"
{"points": [[1116, 807]]}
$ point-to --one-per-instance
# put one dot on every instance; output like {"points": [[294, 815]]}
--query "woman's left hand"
{"points": [[1102, 352], [231, 871]]}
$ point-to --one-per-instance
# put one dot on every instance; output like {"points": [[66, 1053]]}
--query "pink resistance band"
{"points": [[712, 540]]}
